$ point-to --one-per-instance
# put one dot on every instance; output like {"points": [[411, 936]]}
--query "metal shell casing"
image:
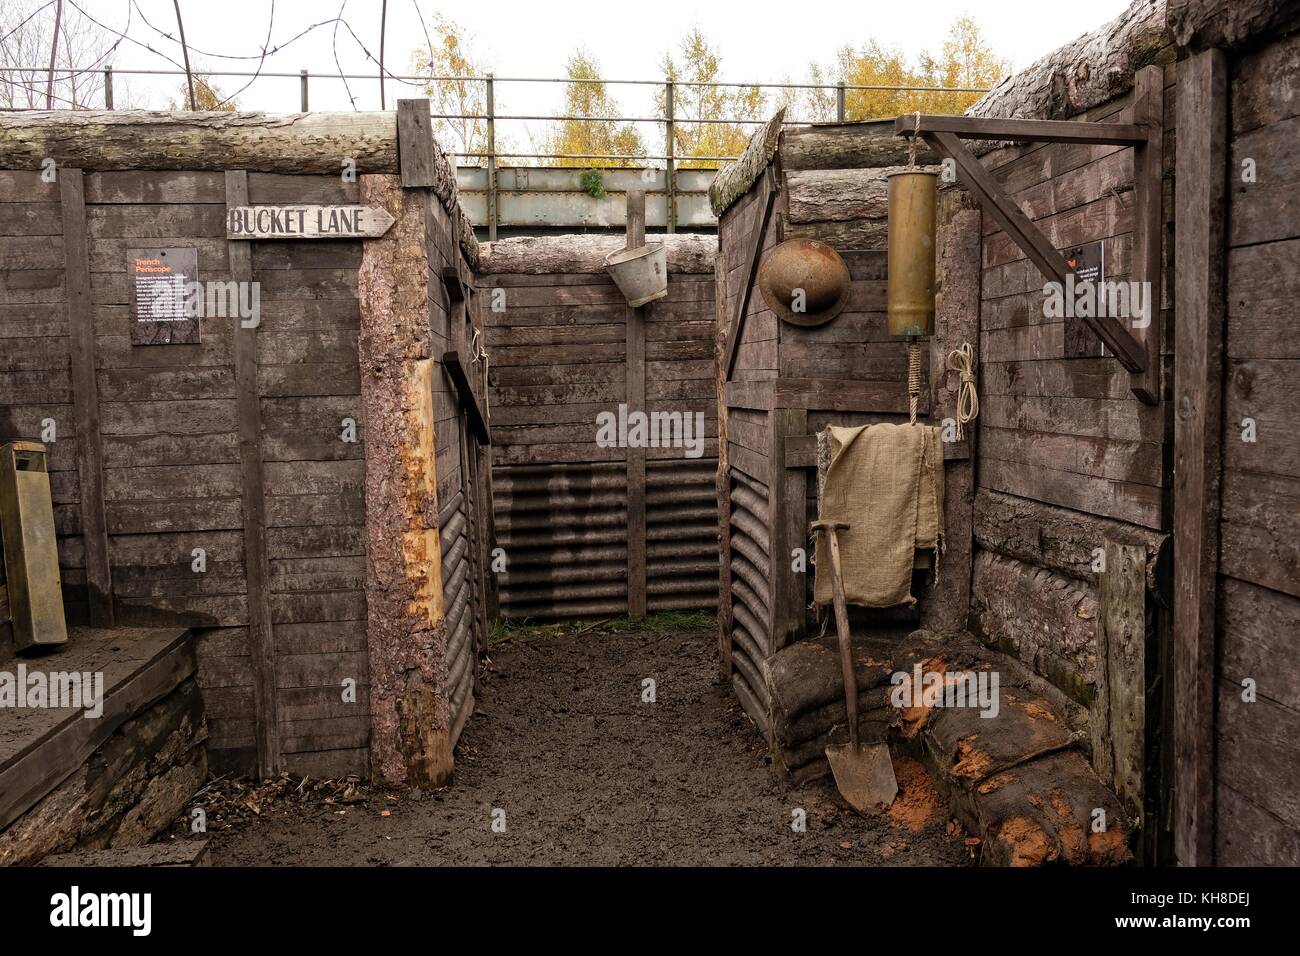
{"points": [[912, 195]]}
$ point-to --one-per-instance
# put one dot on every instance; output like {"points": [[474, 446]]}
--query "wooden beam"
{"points": [[788, 522], [1039, 131], [736, 330], [1200, 284], [415, 145], [1034, 244], [469, 399], [85, 396], [1119, 705], [1148, 222], [248, 410], [636, 507]]}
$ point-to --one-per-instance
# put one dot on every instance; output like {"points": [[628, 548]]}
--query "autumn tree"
{"points": [[208, 98], [966, 60], [449, 62], [700, 62], [597, 133]]}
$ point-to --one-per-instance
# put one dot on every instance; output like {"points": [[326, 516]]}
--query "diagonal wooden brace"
{"points": [[1030, 238]]}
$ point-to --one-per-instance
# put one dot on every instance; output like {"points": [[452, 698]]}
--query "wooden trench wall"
{"points": [[584, 529], [238, 445], [779, 385], [1066, 545]]}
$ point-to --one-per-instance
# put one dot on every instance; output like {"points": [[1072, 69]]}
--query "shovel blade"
{"points": [[864, 775]]}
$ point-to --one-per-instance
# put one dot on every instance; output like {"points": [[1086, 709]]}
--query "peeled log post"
{"points": [[146, 139]]}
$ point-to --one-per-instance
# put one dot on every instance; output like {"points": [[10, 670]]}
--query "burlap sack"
{"points": [[886, 481]]}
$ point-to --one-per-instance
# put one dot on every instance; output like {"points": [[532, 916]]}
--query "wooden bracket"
{"points": [[468, 397], [1140, 355], [737, 328], [455, 285]]}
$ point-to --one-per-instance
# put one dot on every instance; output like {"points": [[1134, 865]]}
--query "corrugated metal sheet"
{"points": [[750, 616]]}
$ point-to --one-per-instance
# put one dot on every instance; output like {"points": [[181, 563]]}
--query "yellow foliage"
{"points": [[207, 97], [601, 135], [447, 54], [700, 63]]}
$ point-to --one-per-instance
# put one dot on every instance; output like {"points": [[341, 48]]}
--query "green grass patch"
{"points": [[664, 622]]}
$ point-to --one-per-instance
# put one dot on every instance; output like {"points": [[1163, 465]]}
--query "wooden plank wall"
{"points": [[462, 510], [1258, 744], [1063, 445], [169, 423], [36, 368], [558, 357]]}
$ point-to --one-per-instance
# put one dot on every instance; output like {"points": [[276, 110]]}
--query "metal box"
{"points": [[31, 555]]}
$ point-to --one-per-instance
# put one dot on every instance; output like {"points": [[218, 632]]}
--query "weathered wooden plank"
{"points": [[1198, 357], [253, 495], [85, 394]]}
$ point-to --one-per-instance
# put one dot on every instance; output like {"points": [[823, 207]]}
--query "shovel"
{"points": [[864, 773]]}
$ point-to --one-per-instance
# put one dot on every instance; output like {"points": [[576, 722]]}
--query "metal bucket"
{"points": [[641, 274]]}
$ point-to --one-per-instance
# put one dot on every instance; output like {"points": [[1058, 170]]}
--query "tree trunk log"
{"points": [[552, 255], [848, 146], [258, 142]]}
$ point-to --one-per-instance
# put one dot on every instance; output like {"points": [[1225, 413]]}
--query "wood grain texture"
{"points": [[253, 495], [1198, 377], [85, 396]]}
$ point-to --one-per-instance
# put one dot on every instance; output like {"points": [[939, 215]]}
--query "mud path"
{"points": [[587, 773]]}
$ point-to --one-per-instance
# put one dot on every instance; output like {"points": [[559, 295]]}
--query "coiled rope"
{"points": [[913, 375], [962, 361], [478, 353]]}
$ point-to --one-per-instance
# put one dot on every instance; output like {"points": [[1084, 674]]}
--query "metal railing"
{"points": [[490, 117]]}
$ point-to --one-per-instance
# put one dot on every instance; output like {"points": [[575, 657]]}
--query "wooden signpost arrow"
{"points": [[307, 222]]}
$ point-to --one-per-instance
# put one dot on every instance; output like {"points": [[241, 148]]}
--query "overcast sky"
{"points": [[760, 40]]}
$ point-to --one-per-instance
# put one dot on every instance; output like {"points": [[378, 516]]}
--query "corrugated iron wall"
{"points": [[558, 352]]}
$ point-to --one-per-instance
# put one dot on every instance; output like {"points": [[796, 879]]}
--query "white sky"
{"points": [[760, 40]]}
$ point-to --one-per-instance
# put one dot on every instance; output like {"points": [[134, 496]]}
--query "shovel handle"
{"points": [[842, 625]]}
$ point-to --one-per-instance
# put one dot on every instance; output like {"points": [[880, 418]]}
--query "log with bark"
{"points": [[865, 145], [146, 139], [1201, 24], [1086, 72], [559, 255], [734, 179]]}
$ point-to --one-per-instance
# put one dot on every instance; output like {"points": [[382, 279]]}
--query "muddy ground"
{"points": [[588, 773]]}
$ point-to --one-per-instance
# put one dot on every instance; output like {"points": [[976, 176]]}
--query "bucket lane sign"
{"points": [[307, 222]]}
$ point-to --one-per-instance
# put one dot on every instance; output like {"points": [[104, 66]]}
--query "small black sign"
{"points": [[166, 299], [1088, 264]]}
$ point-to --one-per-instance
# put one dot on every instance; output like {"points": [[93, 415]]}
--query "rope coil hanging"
{"points": [[478, 353], [962, 361]]}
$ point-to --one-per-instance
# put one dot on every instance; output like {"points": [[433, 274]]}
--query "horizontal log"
{"points": [[548, 255], [1201, 24], [848, 146], [145, 139]]}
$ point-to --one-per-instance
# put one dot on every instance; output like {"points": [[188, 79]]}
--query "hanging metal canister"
{"points": [[911, 252]]}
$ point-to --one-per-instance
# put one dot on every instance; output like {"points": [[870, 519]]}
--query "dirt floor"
{"points": [[588, 773]]}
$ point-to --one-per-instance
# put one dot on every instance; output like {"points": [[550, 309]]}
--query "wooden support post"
{"points": [[415, 144], [85, 396], [788, 520], [1119, 706], [1148, 223], [957, 321], [1198, 382], [248, 410], [636, 512], [411, 724]]}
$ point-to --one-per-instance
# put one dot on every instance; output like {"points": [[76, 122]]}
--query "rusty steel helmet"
{"points": [[810, 266]]}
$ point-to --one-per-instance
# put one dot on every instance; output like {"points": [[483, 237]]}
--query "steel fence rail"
{"points": [[490, 117]]}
